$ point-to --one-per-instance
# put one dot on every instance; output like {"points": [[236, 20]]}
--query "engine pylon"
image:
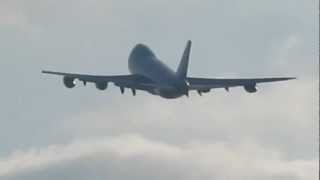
{"points": [[122, 90], [133, 92]]}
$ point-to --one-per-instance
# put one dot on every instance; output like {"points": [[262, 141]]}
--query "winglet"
{"points": [[183, 66]]}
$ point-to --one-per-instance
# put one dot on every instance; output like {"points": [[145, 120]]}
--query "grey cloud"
{"points": [[272, 118], [135, 157]]}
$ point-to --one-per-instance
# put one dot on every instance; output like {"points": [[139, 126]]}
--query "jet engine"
{"points": [[101, 85], [250, 88], [205, 90], [69, 82], [200, 91]]}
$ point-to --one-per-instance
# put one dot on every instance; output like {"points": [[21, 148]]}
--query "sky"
{"points": [[50, 132]]}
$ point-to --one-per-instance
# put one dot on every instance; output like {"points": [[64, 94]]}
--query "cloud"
{"points": [[288, 47], [286, 51], [279, 115], [135, 157], [12, 14]]}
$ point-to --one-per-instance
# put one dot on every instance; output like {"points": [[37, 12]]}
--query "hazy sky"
{"points": [[50, 132]]}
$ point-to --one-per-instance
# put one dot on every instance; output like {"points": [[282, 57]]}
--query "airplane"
{"points": [[149, 74]]}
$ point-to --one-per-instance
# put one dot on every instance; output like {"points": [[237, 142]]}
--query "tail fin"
{"points": [[183, 66]]}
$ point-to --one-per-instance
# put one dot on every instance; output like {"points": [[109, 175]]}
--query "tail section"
{"points": [[183, 66]]}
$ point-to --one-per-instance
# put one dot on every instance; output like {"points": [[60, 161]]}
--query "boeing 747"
{"points": [[149, 74]]}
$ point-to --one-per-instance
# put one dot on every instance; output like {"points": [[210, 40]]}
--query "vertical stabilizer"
{"points": [[183, 66]]}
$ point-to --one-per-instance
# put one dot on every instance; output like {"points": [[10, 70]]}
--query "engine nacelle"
{"points": [[69, 82], [101, 85], [250, 88], [205, 90]]}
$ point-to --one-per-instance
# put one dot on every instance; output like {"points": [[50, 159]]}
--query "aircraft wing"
{"points": [[204, 84], [125, 81]]}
